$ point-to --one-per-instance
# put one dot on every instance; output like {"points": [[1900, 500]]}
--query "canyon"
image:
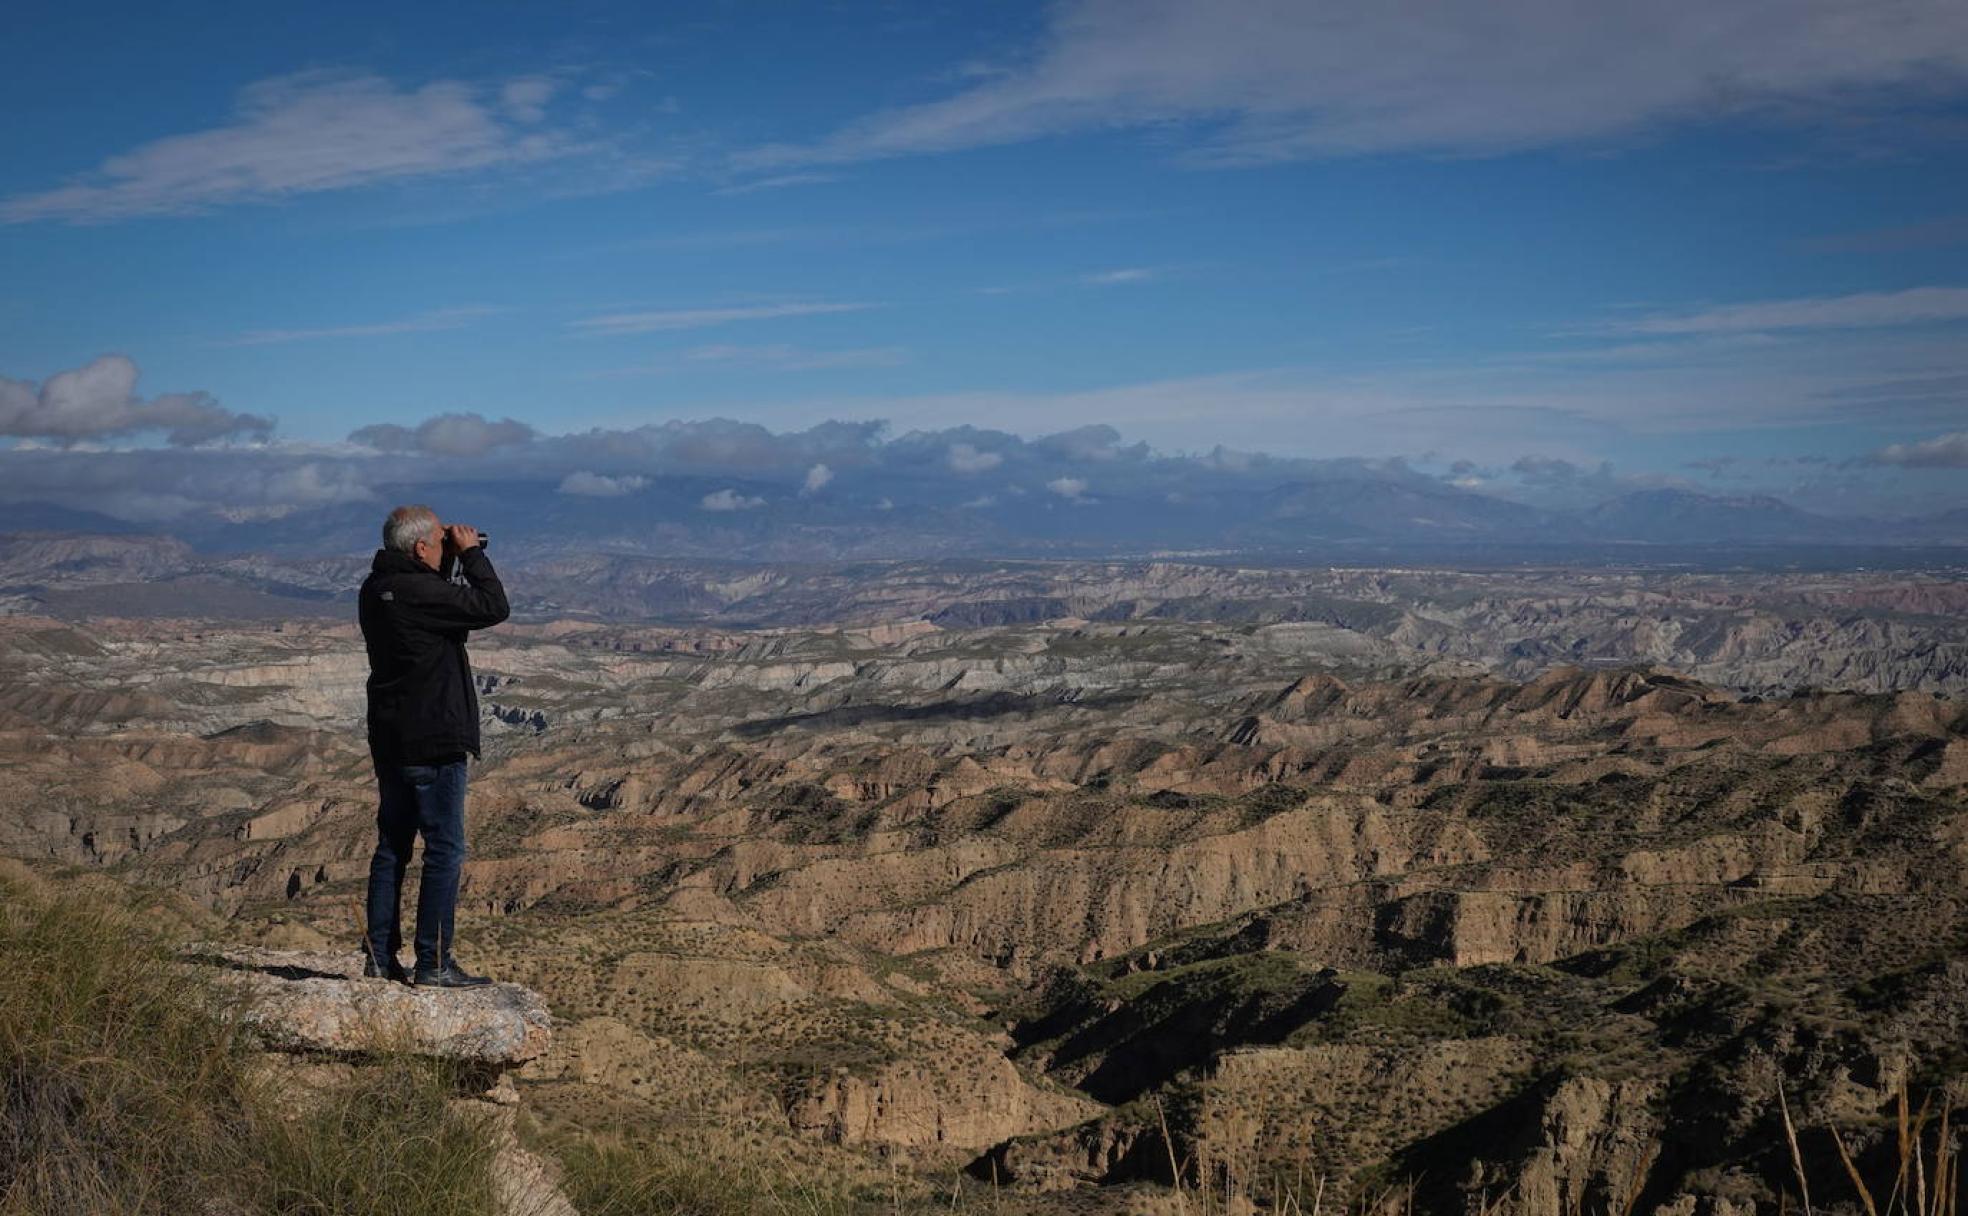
{"points": [[1076, 878]]}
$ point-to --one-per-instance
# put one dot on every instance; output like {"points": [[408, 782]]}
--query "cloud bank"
{"points": [[685, 469]]}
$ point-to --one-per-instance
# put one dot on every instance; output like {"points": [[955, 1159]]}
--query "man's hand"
{"points": [[460, 537]]}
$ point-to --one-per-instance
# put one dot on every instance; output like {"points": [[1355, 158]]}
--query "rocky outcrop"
{"points": [[316, 1017], [1595, 1142], [304, 1001]]}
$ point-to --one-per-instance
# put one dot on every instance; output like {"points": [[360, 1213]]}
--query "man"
{"points": [[423, 722]]}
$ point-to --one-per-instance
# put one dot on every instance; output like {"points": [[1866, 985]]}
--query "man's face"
{"points": [[430, 550]]}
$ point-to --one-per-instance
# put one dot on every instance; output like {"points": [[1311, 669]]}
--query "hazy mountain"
{"points": [[690, 517], [1670, 516]]}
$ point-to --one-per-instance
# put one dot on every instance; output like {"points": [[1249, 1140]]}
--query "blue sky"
{"points": [[1715, 244]]}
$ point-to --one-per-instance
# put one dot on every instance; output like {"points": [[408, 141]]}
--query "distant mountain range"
{"points": [[699, 518]]}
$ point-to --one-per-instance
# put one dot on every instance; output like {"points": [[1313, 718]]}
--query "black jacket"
{"points": [[423, 708]]}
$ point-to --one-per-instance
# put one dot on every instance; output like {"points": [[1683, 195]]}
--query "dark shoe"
{"points": [[392, 971], [450, 975]]}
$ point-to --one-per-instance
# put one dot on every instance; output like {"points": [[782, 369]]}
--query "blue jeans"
{"points": [[427, 800]]}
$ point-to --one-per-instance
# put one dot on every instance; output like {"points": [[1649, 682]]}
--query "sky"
{"points": [[1531, 248]]}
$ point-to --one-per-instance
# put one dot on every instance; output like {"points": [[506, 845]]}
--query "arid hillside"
{"points": [[1521, 891]]}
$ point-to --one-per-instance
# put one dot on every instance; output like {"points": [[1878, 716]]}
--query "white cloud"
{"points": [[597, 485], [98, 401], [980, 502], [1871, 309], [526, 98], [1949, 451], [729, 500], [1095, 441], [964, 458], [817, 478], [1073, 489], [439, 319], [295, 135], [699, 318], [1268, 80]]}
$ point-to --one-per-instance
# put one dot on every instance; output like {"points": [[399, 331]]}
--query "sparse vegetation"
{"points": [[619, 1177]]}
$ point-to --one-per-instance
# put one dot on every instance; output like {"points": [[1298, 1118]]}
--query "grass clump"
{"points": [[116, 1081], [126, 1090], [386, 1140]]}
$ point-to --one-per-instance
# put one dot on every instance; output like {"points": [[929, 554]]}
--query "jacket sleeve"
{"points": [[478, 604]]}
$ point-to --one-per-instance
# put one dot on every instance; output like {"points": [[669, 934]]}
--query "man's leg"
{"points": [[440, 791], [396, 832]]}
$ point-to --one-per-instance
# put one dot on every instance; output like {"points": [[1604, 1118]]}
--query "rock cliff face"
{"points": [[968, 1097], [1342, 896]]}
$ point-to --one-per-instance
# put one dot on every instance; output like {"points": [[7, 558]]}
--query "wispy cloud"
{"points": [[1266, 80], [1129, 274], [1864, 310], [778, 182], [1940, 233], [774, 357], [526, 98], [794, 358], [1655, 349], [306, 133], [438, 319], [701, 318]]}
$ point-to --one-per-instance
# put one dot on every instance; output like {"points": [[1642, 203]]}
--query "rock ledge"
{"points": [[311, 1001]]}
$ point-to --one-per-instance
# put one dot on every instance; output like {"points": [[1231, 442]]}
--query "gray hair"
{"points": [[406, 526]]}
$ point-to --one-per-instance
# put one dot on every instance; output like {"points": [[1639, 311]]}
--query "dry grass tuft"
{"points": [[125, 1091]]}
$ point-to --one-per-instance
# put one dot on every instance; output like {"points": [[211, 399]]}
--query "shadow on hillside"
{"points": [[992, 705]]}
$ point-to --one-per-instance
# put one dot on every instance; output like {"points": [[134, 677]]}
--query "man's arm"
{"points": [[477, 604]]}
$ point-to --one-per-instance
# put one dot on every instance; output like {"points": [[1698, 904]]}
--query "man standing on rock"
{"points": [[423, 722]]}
